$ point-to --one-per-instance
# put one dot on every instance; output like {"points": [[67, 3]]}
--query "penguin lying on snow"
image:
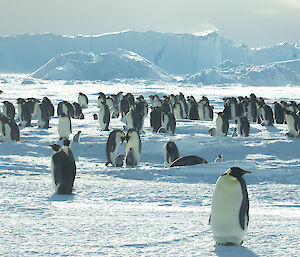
{"points": [[172, 158], [229, 215]]}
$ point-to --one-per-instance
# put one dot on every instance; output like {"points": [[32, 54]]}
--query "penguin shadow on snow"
{"points": [[232, 251], [61, 198]]}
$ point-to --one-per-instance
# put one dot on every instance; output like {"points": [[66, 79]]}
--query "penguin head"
{"points": [[236, 172], [66, 142], [129, 133], [55, 147], [122, 135]]}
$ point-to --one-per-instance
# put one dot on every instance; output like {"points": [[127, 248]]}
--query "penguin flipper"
{"points": [[244, 209]]}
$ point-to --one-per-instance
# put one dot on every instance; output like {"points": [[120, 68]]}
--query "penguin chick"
{"points": [[76, 137]]}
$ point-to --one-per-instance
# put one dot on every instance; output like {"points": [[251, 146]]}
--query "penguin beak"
{"points": [[122, 138], [246, 171]]}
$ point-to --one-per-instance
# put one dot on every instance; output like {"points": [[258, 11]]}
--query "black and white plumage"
{"points": [[78, 111], [168, 122], [63, 170], [243, 125], [133, 146], [9, 110], [279, 113], [104, 116], [222, 124], [64, 126], [229, 215], [76, 137], [188, 160], [115, 138], [83, 100], [24, 112], [11, 131], [170, 152], [293, 123], [155, 118], [50, 107]]}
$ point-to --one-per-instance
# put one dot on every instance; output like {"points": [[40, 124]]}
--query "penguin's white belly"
{"points": [[64, 128], [101, 116], [219, 124], [134, 144], [290, 123], [129, 120], [177, 113], [225, 209], [7, 136]]}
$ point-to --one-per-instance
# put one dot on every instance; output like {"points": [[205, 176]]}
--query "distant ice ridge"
{"points": [[174, 53], [119, 64], [274, 74]]}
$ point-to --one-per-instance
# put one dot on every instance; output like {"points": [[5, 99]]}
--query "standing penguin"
{"points": [[83, 100], [76, 137], [12, 132], [177, 110], [24, 112], [169, 122], [279, 113], [63, 171], [155, 118], [229, 215], [243, 125], [133, 146], [293, 123], [64, 126], [115, 138], [171, 152], [104, 116], [222, 124], [9, 110]]}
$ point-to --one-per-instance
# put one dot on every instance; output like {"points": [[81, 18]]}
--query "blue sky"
{"points": [[254, 22]]}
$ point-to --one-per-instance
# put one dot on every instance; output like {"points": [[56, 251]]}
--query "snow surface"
{"points": [[148, 210]]}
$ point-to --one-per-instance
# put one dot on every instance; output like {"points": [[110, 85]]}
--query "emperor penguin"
{"points": [[168, 122], [63, 171], [104, 116], [278, 113], [76, 137], [266, 115], [120, 160], [177, 110], [78, 111], [83, 100], [170, 152], [229, 215], [12, 132], [25, 112], [67, 149], [155, 118], [243, 126], [222, 124], [64, 126], [133, 146], [115, 138], [293, 123], [124, 107], [193, 111], [44, 117], [49, 106], [101, 99], [219, 158], [3, 120], [9, 110]]}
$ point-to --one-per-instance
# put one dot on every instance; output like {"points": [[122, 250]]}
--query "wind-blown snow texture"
{"points": [[148, 210]]}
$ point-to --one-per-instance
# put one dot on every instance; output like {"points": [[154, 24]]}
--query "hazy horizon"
{"points": [[256, 23]]}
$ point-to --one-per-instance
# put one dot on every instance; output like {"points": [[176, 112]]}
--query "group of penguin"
{"points": [[246, 110], [229, 216]]}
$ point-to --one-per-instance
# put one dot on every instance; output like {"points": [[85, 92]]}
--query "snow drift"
{"points": [[120, 64], [273, 74]]}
